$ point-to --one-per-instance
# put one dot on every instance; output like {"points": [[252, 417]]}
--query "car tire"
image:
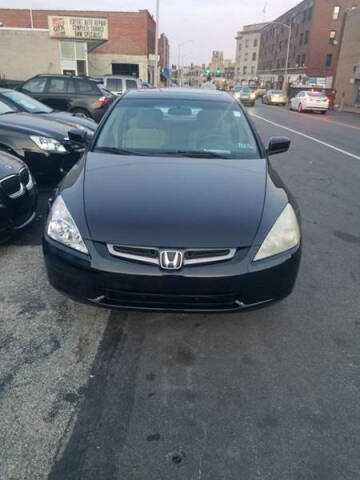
{"points": [[300, 109], [82, 111], [323, 112]]}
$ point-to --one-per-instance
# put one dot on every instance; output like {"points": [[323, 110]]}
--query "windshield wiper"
{"points": [[196, 153], [119, 151]]}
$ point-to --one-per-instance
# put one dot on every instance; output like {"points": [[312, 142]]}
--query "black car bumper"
{"points": [[17, 213], [228, 286], [51, 166]]}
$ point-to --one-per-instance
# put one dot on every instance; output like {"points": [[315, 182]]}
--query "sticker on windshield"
{"points": [[245, 146], [237, 113]]}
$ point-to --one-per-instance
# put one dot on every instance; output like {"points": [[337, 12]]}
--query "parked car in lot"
{"points": [[245, 95], [119, 84], [42, 144], [24, 103], [306, 101], [79, 95], [175, 207], [274, 97], [18, 196]]}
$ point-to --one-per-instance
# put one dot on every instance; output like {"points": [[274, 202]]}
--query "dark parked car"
{"points": [[79, 95], [42, 144], [18, 196], [175, 207], [24, 103]]}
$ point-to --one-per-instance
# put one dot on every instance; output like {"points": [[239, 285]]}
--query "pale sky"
{"points": [[211, 24]]}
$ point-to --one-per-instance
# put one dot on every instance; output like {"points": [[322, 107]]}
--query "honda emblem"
{"points": [[171, 259]]}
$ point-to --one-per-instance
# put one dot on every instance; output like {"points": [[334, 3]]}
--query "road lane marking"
{"points": [[320, 119], [337, 149]]}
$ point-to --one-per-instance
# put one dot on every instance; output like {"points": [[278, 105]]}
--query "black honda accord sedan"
{"points": [[174, 207]]}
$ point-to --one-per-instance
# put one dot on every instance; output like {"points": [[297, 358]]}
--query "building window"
{"points": [[301, 39], [328, 60], [303, 60], [309, 13], [244, 69], [336, 12], [255, 42], [254, 56], [306, 37], [246, 43], [304, 16], [298, 60], [332, 37]]}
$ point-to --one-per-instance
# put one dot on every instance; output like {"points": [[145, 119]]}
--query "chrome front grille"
{"points": [[26, 178], [12, 186], [191, 256]]}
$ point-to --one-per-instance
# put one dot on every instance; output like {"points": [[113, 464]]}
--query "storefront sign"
{"points": [[80, 28]]}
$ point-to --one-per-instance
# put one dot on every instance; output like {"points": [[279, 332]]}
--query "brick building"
{"points": [[316, 31], [40, 41], [347, 82]]}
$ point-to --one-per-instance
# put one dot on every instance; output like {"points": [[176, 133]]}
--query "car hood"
{"points": [[9, 165], [34, 125], [173, 202], [67, 118]]}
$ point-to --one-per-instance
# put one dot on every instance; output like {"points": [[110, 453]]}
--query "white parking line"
{"points": [[337, 149]]}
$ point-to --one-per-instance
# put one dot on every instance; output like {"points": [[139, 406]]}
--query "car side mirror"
{"points": [[278, 145], [77, 135]]}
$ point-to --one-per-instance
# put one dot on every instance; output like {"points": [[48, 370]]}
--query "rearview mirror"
{"points": [[77, 135], [278, 145]]}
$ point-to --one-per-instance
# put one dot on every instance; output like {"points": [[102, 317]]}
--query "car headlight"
{"points": [[237, 95], [48, 144], [252, 95], [62, 228], [284, 234]]}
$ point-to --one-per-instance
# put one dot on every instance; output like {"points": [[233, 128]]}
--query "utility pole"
{"points": [[156, 64]]}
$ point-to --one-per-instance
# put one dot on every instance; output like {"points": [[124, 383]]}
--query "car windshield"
{"points": [[114, 84], [237, 88], [178, 128], [316, 95], [5, 108], [24, 102], [277, 92], [245, 90]]}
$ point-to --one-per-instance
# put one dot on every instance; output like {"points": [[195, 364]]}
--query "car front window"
{"points": [[27, 103], [178, 127]]}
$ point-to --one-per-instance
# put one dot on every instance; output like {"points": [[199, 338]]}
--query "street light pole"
{"points": [[286, 75], [286, 79], [179, 58], [156, 64]]}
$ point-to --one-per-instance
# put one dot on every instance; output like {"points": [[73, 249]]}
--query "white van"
{"points": [[119, 84]]}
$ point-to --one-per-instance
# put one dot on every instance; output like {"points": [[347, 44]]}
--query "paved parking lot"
{"points": [[271, 394]]}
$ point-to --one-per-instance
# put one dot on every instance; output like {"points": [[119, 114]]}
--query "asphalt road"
{"points": [[271, 394]]}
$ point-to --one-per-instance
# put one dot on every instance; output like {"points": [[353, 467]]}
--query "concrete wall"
{"points": [[25, 53], [346, 85], [100, 64]]}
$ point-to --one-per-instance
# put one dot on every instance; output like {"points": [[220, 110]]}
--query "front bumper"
{"points": [[51, 165], [115, 283]]}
